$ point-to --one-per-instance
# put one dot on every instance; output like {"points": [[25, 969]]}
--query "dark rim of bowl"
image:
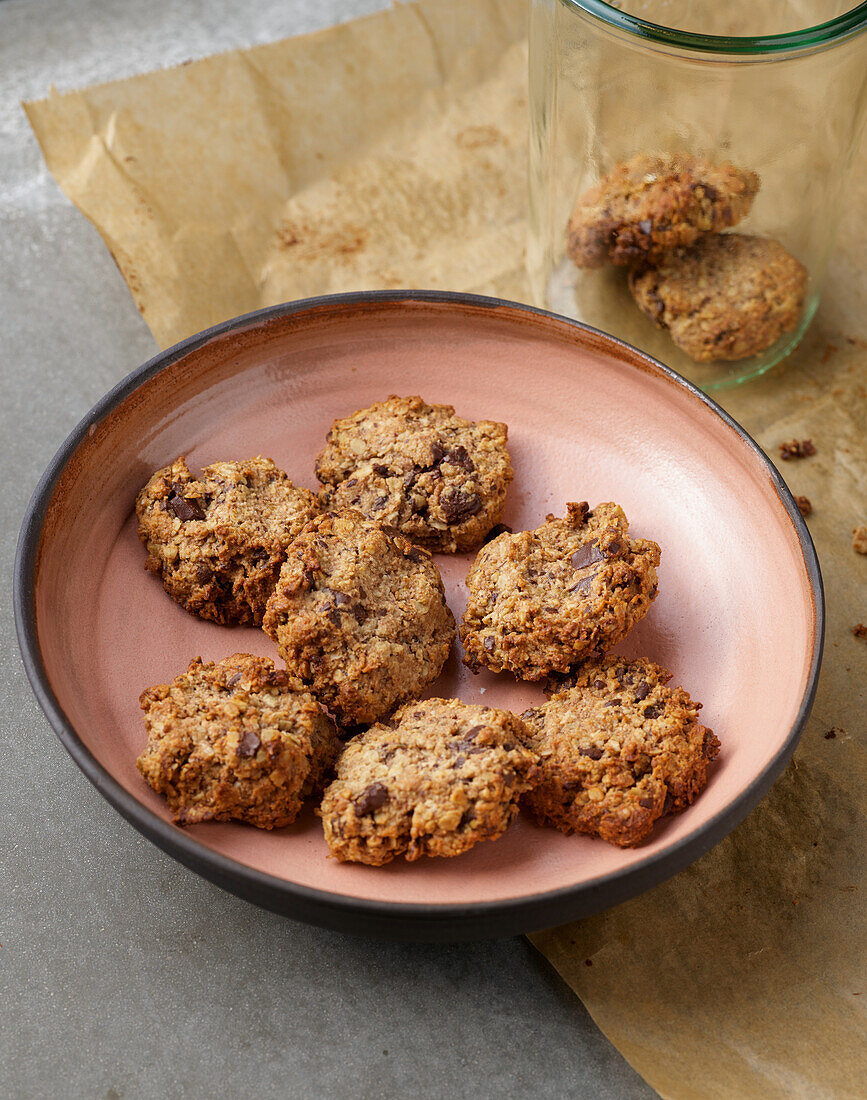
{"points": [[403, 920]]}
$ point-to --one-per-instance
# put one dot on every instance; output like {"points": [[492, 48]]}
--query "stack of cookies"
{"points": [[721, 296], [345, 584]]}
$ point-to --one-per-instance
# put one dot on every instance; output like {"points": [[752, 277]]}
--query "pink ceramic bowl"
{"points": [[738, 619]]}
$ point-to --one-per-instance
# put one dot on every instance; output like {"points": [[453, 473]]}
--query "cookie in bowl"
{"points": [[618, 750], [543, 601], [217, 541], [437, 478], [235, 740], [436, 779], [359, 615]]}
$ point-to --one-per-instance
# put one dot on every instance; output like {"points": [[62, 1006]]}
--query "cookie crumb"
{"points": [[797, 448], [804, 505], [859, 539], [829, 351], [860, 631], [831, 734]]}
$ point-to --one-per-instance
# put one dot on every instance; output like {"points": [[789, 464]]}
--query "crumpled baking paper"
{"points": [[385, 152]]}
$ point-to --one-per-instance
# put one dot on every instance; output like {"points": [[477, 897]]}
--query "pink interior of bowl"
{"points": [[734, 619]]}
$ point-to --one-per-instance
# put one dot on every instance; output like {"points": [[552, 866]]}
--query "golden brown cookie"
{"points": [[619, 749], [436, 779], [359, 615], [727, 297], [218, 541], [542, 601], [439, 479], [650, 204], [235, 740]]}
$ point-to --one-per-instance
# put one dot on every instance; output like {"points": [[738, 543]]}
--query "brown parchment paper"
{"points": [[391, 151], [385, 152]]}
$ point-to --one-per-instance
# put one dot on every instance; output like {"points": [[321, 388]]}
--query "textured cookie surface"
{"points": [[436, 779], [359, 616], [618, 750], [651, 204], [439, 479], [235, 740], [542, 601], [218, 541], [727, 297]]}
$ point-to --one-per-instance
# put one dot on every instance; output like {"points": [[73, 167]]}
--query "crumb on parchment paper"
{"points": [[804, 505], [859, 539], [797, 448], [829, 351]]}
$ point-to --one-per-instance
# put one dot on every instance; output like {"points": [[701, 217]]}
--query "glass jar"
{"points": [[649, 144]]}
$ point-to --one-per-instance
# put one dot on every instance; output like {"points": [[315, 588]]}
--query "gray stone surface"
{"points": [[123, 974]]}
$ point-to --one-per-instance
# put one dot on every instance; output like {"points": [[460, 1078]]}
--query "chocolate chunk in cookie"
{"points": [[726, 298], [235, 740], [359, 615], [542, 601], [651, 204], [217, 541], [436, 779], [619, 749], [439, 479]]}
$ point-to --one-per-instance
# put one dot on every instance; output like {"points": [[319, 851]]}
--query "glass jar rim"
{"points": [[835, 30]]}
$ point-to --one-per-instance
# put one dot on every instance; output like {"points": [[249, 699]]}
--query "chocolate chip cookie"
{"points": [[436, 779], [439, 479], [235, 740], [542, 601], [217, 541], [619, 749], [727, 297], [359, 615], [651, 204]]}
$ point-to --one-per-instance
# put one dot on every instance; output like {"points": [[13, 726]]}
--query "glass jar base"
{"points": [[601, 298]]}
